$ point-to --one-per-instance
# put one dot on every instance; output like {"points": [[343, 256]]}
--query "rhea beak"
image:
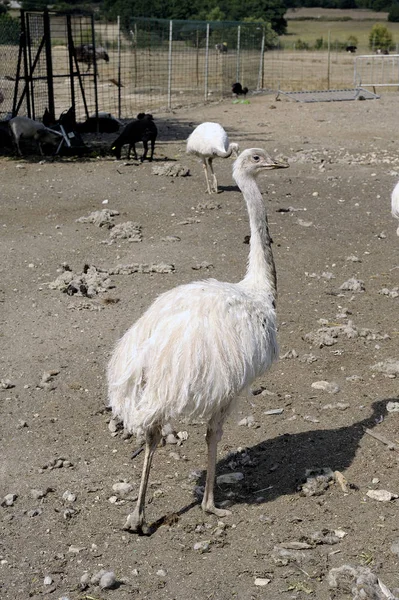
{"points": [[277, 164]]}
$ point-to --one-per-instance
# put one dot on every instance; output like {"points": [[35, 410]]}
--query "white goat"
{"points": [[25, 128]]}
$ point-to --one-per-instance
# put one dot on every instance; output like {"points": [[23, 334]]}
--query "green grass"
{"points": [[310, 30]]}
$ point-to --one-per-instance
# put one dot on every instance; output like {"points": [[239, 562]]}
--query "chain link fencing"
{"points": [[154, 64]]}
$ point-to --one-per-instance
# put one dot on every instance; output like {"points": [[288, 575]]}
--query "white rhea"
{"points": [[395, 203], [209, 141], [198, 346]]}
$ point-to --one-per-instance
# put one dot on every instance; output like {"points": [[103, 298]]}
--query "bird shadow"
{"points": [[227, 188], [276, 467]]}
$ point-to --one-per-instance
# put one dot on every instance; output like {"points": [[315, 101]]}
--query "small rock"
{"points": [[392, 406], [161, 573], [122, 488], [326, 386], [84, 581], [274, 411], [261, 581], [395, 547], [69, 496], [95, 580], [107, 580], [247, 421], [381, 495], [202, 547], [353, 285], [47, 580], [9, 500]]}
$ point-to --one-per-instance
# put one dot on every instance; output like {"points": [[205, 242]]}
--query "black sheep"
{"points": [[141, 130]]}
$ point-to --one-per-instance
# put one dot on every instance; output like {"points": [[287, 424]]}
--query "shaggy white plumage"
{"points": [[395, 203], [209, 141], [199, 345]]}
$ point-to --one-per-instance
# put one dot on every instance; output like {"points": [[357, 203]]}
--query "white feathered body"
{"points": [[395, 201], [193, 351], [209, 140]]}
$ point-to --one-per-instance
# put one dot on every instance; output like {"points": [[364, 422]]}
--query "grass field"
{"points": [[310, 24]]}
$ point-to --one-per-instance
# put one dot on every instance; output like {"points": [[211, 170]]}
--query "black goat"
{"points": [[141, 130], [238, 90]]}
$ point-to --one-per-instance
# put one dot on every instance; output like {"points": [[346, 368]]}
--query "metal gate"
{"points": [[53, 52]]}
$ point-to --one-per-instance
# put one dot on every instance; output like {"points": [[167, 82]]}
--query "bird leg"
{"points": [[214, 180], [214, 434], [135, 522], [208, 186]]}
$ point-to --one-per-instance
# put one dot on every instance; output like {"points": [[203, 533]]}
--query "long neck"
{"points": [[261, 270], [225, 153]]}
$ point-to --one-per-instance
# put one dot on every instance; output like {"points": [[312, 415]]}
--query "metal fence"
{"points": [[153, 64]]}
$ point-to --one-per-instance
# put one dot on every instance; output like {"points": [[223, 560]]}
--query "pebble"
{"points": [[230, 478], [392, 406], [261, 581], [47, 580], [122, 488], [69, 496], [274, 411], [381, 495], [326, 386], [97, 576], [107, 580], [202, 547], [9, 500], [84, 581], [395, 547], [246, 421], [161, 573]]}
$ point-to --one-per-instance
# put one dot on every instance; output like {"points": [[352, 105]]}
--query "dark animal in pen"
{"points": [[23, 128], [6, 143], [105, 123], [351, 49], [85, 53], [221, 48], [143, 129], [238, 90]]}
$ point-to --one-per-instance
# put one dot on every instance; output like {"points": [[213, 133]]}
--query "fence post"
{"points": [[262, 55], [170, 65], [93, 35], [119, 66], [238, 53], [328, 59], [49, 62], [206, 63]]}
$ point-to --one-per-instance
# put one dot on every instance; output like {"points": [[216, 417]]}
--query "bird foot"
{"points": [[219, 512], [136, 524]]}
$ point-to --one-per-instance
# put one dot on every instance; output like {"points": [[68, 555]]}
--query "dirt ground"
{"points": [[60, 459]]}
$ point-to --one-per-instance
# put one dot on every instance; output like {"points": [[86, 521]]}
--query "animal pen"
{"points": [[147, 64]]}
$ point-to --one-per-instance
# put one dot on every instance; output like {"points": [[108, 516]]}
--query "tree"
{"points": [[393, 15], [380, 37]]}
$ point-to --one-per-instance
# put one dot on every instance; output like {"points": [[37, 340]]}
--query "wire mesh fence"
{"points": [[9, 44], [150, 64]]}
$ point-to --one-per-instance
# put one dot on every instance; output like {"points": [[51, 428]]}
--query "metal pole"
{"points": [[328, 59], [206, 63], [31, 106], [119, 66], [49, 63], [93, 36], [238, 53], [70, 53], [170, 65], [262, 55]]}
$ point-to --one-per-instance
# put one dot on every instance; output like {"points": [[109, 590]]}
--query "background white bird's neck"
{"points": [[261, 270]]}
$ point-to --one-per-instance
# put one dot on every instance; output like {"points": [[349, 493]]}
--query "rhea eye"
{"points": [[256, 158]]}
